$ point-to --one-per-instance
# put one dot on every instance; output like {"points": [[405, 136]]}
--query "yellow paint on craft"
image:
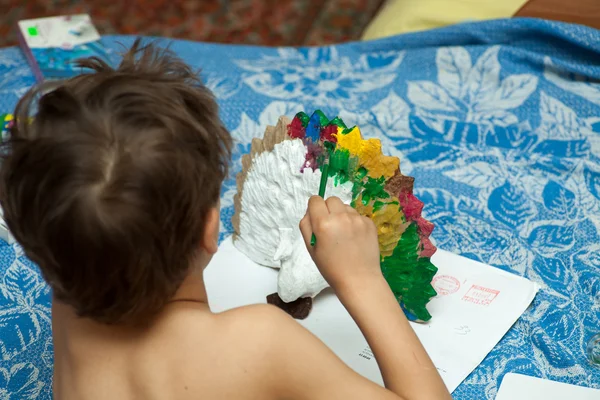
{"points": [[389, 221], [369, 153]]}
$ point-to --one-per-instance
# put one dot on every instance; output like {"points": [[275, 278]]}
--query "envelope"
{"points": [[475, 307]]}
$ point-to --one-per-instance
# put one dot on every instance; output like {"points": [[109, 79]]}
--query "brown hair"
{"points": [[107, 179]]}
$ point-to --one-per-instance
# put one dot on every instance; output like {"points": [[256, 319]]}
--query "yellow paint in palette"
{"points": [[368, 153]]}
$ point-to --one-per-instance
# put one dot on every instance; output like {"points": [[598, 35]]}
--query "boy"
{"points": [[112, 189]]}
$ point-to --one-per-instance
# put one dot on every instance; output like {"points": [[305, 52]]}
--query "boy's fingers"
{"points": [[306, 229], [335, 205], [317, 209]]}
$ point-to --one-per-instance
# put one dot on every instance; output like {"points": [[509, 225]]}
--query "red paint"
{"points": [[411, 206], [328, 133], [313, 152], [425, 227], [296, 130], [428, 248]]}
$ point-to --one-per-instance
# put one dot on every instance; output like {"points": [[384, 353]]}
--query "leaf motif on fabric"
{"points": [[222, 88], [574, 83], [454, 65], [18, 331], [555, 354], [322, 76], [556, 166], [430, 96], [270, 115], [429, 153], [592, 181], [511, 206], [20, 382], [559, 199], [478, 174], [591, 256], [21, 320], [557, 120], [423, 127], [551, 269], [320, 54], [563, 148], [391, 115], [247, 130], [48, 354], [514, 256], [589, 282], [20, 282], [559, 325], [512, 93], [496, 117], [382, 61], [484, 77], [549, 239]]}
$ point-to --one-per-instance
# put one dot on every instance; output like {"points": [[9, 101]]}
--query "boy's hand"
{"points": [[347, 250]]}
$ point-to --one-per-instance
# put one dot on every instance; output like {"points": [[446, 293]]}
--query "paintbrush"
{"points": [[322, 187]]}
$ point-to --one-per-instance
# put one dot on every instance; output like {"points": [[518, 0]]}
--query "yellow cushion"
{"points": [[401, 16]]}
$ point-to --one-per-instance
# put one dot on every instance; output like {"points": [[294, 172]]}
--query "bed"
{"points": [[499, 122]]}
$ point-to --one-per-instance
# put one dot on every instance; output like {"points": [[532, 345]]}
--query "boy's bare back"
{"points": [[112, 189]]}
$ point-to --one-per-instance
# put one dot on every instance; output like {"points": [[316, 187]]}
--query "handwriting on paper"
{"points": [[462, 330]]}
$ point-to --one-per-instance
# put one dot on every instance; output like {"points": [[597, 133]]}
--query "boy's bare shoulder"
{"points": [[259, 351], [241, 345], [260, 325], [238, 334]]}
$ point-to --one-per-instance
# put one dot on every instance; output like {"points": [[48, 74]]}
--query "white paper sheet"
{"points": [[522, 387], [476, 305]]}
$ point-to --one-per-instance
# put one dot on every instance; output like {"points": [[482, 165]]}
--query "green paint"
{"points": [[342, 166], [329, 146], [32, 31], [338, 122], [361, 173], [374, 189], [409, 275], [303, 117], [323, 121], [348, 130], [378, 205]]}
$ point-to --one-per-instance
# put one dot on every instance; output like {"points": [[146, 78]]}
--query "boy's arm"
{"points": [[405, 366], [347, 254], [300, 366], [303, 367]]}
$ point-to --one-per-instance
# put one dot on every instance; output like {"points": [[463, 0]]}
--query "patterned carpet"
{"points": [[262, 22]]}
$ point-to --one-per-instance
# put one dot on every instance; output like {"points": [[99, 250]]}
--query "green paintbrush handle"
{"points": [[322, 187]]}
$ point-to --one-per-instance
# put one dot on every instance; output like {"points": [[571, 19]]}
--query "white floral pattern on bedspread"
{"points": [[498, 121]]}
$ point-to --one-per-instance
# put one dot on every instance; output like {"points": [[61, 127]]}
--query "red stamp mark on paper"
{"points": [[445, 284], [480, 295]]}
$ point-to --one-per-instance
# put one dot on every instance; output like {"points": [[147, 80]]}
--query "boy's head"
{"points": [[109, 179]]}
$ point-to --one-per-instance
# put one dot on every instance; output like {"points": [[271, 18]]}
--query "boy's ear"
{"points": [[210, 239]]}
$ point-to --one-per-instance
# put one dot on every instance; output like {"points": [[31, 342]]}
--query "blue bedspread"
{"points": [[498, 121]]}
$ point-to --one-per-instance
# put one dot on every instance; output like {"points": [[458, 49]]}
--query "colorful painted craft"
{"points": [[5, 123], [284, 169]]}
